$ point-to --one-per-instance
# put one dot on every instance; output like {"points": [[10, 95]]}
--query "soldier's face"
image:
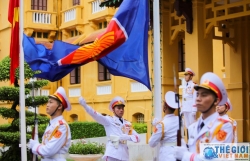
{"points": [[205, 98], [51, 106], [119, 110], [221, 109], [188, 77]]}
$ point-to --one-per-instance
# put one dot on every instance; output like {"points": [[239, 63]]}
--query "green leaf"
{"points": [[10, 133], [38, 100], [9, 138], [5, 70], [10, 93], [82, 147]]}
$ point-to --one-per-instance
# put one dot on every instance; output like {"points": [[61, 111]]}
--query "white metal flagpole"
{"points": [[157, 66], [21, 90]]}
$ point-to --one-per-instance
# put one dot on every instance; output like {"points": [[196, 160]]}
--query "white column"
{"points": [[157, 62], [21, 90]]}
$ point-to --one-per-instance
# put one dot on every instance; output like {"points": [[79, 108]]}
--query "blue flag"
{"points": [[42, 59], [129, 60]]}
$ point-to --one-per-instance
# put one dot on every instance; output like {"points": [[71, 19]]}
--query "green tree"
{"points": [[10, 133]]}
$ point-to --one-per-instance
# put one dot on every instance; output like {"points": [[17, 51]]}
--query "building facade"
{"points": [[219, 42]]}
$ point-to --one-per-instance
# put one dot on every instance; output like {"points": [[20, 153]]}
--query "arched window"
{"points": [[138, 117], [74, 117]]}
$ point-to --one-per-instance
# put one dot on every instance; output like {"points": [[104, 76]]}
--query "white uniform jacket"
{"points": [[188, 97], [167, 139], [55, 141], [113, 126], [234, 123], [215, 130]]}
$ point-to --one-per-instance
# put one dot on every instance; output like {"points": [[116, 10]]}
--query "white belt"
{"points": [[168, 144], [120, 141], [57, 156]]}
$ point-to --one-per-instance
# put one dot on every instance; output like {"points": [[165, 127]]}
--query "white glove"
{"points": [[82, 101], [155, 121], [180, 150], [124, 137], [32, 143]]}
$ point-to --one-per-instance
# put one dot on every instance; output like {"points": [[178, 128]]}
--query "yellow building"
{"points": [[219, 42]]}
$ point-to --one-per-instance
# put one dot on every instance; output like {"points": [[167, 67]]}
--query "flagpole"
{"points": [[21, 91], [157, 66]]}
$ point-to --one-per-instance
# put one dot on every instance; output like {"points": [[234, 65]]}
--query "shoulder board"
{"points": [[224, 120]]}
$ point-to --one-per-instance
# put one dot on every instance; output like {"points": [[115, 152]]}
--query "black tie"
{"points": [[187, 84], [121, 120], [201, 126]]}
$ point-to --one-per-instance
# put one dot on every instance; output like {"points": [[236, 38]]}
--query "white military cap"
{"points": [[229, 105], [116, 101], [189, 71], [60, 95], [212, 82], [170, 100]]}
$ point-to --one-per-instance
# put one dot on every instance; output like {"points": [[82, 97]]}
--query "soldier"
{"points": [[222, 110], [56, 138], [210, 127], [188, 99], [166, 130], [118, 130]]}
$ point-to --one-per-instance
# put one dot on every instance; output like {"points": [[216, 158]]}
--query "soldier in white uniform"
{"points": [[210, 127], [188, 99], [57, 137], [118, 130], [222, 110], [165, 131]]}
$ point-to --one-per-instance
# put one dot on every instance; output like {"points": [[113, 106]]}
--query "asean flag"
{"points": [[117, 32]]}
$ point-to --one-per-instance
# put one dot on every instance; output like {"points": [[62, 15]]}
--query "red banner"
{"points": [[13, 18]]}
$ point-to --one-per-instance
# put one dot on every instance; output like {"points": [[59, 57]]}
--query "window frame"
{"points": [[181, 56], [35, 5], [75, 74], [76, 2], [106, 76]]}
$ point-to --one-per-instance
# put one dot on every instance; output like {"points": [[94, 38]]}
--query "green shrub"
{"points": [[140, 127], [81, 130], [83, 147]]}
